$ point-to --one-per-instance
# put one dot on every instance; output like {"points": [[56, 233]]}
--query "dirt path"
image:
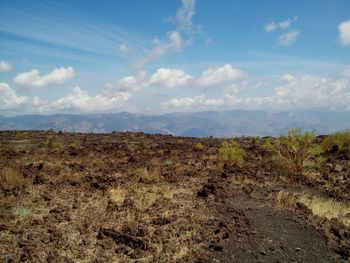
{"points": [[273, 236]]}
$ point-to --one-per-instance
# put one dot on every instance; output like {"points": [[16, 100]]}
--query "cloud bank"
{"points": [[33, 80]]}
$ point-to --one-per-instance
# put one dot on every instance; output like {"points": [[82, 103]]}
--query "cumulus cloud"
{"points": [[315, 91], [169, 78], [77, 101], [5, 66], [190, 102], [128, 83], [344, 33], [280, 25], [33, 80], [9, 99], [287, 77], [288, 38], [219, 75], [81, 101], [224, 76], [305, 91]]}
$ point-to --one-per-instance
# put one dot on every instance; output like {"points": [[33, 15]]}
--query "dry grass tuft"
{"points": [[319, 206], [11, 177], [150, 174], [118, 195]]}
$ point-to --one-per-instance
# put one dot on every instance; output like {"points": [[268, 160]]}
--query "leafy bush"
{"points": [[231, 153], [293, 151], [339, 140]]}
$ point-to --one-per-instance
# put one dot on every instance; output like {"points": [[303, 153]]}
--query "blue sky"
{"points": [[164, 56]]}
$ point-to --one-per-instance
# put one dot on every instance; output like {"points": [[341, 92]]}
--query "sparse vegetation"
{"points": [[293, 151], [22, 211], [199, 146], [319, 206], [133, 197], [11, 177], [337, 141], [52, 142], [231, 153]]}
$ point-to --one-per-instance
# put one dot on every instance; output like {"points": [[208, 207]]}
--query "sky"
{"points": [[156, 56]]}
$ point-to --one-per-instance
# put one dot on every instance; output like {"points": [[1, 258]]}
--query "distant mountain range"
{"points": [[197, 124]]}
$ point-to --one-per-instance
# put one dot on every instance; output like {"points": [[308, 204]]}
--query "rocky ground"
{"points": [[133, 197]]}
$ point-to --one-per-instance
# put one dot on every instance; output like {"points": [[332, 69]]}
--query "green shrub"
{"points": [[180, 141], [231, 153], [22, 211], [199, 146], [341, 140], [52, 142], [292, 152]]}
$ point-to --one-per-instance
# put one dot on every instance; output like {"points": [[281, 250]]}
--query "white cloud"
{"points": [[123, 48], [191, 102], [78, 101], [281, 25], [315, 91], [288, 38], [346, 72], [33, 80], [344, 33], [9, 99], [176, 39], [169, 78], [5, 66], [300, 92], [81, 101], [271, 27], [185, 14], [219, 75], [128, 83], [173, 43], [223, 76], [288, 77]]}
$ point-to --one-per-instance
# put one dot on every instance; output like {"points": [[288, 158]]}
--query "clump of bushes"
{"points": [[293, 152], [337, 141], [52, 142], [231, 153]]}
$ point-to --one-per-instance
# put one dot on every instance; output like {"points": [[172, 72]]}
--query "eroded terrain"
{"points": [[133, 197]]}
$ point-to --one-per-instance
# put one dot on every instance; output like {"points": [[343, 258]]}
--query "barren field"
{"points": [[133, 197]]}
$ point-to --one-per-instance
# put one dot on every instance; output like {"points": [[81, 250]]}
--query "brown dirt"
{"points": [[133, 197]]}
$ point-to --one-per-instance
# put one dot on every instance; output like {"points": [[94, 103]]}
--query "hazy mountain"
{"points": [[198, 124]]}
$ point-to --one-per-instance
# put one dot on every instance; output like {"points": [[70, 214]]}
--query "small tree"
{"points": [[293, 151], [231, 153]]}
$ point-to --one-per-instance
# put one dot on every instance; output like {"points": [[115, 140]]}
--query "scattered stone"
{"points": [[216, 247], [122, 238]]}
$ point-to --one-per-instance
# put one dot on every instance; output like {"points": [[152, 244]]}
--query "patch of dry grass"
{"points": [[11, 177], [149, 174], [118, 195], [319, 206]]}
